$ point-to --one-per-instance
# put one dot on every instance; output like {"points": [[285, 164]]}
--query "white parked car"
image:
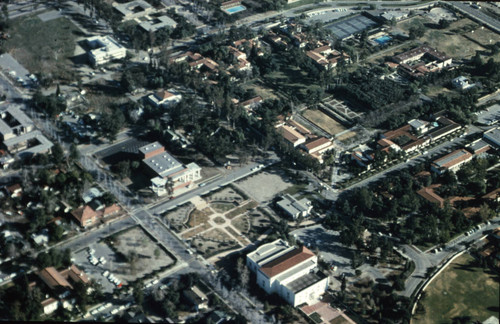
{"points": [[105, 273]]}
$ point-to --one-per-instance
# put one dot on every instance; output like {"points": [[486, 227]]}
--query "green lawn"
{"points": [[462, 289], [43, 46]]}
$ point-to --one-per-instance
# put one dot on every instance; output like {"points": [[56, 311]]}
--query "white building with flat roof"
{"points": [[493, 136], [133, 9], [294, 207], [152, 24], [104, 49], [289, 271], [14, 122]]}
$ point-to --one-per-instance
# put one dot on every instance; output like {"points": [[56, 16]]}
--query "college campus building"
{"points": [[18, 135], [289, 271], [104, 49], [452, 161], [133, 9], [295, 208], [169, 175]]}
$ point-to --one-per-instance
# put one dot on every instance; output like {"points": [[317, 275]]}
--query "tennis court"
{"points": [[353, 25]]}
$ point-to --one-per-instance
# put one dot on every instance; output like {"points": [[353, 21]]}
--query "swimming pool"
{"points": [[383, 39], [235, 9]]}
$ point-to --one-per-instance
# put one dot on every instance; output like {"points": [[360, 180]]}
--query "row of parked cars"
{"points": [[111, 277]]}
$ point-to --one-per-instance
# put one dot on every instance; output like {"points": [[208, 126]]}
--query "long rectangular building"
{"points": [[451, 162]]}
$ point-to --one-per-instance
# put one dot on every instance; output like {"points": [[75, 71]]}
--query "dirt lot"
{"points": [[198, 217], [213, 242], [450, 40], [137, 241], [346, 135], [326, 123], [226, 194], [275, 182], [178, 216]]}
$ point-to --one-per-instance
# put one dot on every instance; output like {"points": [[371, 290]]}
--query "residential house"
{"points": [[196, 297], [421, 60], [251, 104], [461, 83], [14, 190], [85, 216], [50, 305], [164, 98], [327, 58], [289, 271], [295, 208]]}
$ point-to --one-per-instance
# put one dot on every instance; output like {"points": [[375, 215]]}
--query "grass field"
{"points": [[43, 46], [290, 81], [260, 90], [462, 289], [325, 122]]}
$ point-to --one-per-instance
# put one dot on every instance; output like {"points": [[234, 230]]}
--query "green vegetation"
{"points": [[463, 290], [44, 47]]}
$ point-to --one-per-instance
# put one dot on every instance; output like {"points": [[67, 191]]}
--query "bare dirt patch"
{"points": [[198, 217], [275, 182], [143, 254], [323, 121]]}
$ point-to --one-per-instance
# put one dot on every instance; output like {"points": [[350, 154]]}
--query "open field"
{"points": [[291, 81], [450, 40], [44, 46], [260, 90], [462, 289], [325, 122]]}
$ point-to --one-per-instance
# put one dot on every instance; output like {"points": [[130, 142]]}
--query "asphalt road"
{"points": [[489, 21], [425, 260]]}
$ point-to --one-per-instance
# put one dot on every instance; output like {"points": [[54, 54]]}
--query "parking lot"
{"points": [[96, 271]]}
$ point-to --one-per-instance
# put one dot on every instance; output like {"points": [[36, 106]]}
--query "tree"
{"points": [[138, 293], [443, 23], [74, 154], [243, 272], [132, 258], [122, 168], [417, 31], [57, 153], [157, 253]]}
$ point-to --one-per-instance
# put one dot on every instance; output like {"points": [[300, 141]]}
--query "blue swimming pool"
{"points": [[235, 9], [383, 39]]}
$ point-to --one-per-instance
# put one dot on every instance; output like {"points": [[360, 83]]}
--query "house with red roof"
{"points": [[289, 271]]}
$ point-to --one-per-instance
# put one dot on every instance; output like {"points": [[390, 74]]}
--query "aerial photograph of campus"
{"points": [[250, 161]]}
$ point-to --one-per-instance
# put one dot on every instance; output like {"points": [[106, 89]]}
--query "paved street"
{"points": [[430, 259], [477, 14]]}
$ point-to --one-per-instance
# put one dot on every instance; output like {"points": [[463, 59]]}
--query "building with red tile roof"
{"points": [[451, 162], [288, 271], [85, 216], [428, 194]]}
